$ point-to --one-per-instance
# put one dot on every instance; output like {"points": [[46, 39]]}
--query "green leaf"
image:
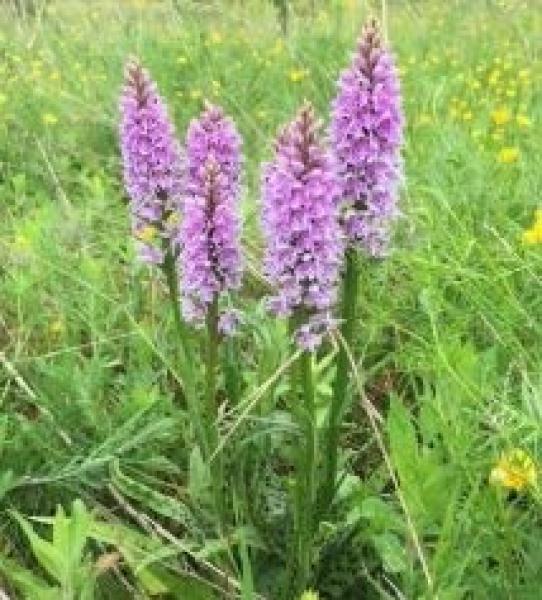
{"points": [[391, 551], [31, 586], [402, 438], [381, 515], [199, 482], [49, 557], [157, 502]]}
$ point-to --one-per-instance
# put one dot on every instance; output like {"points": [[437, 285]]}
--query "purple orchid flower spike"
{"points": [[366, 136], [152, 163]]}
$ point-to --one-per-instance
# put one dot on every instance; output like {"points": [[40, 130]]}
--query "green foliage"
{"points": [[63, 559]]}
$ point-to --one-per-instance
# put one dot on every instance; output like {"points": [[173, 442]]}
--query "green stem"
{"points": [[185, 361], [305, 490], [211, 409], [212, 358], [339, 398], [307, 476], [171, 277]]}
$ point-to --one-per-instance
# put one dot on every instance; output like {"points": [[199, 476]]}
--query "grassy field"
{"points": [[440, 498]]}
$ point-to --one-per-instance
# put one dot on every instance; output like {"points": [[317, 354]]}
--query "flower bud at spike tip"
{"points": [[366, 135], [299, 219], [209, 234], [152, 162]]}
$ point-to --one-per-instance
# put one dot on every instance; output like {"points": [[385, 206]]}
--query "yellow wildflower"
{"points": [[22, 243], [56, 327], [533, 235], [216, 37], [173, 218], [523, 121], [508, 155], [309, 595], [453, 112], [467, 116], [515, 470], [297, 75], [195, 94], [493, 78], [49, 119], [146, 234], [501, 116]]}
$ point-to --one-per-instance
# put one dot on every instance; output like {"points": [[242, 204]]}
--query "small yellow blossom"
{"points": [[309, 595], [57, 327], [501, 116], [297, 75], [173, 219], [523, 121], [49, 119], [515, 470], [533, 235], [22, 243], [196, 94], [493, 78], [146, 234], [508, 155], [216, 38], [467, 116], [217, 86]]}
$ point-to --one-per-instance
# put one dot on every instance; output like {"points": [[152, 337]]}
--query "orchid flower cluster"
{"points": [[317, 200], [325, 200]]}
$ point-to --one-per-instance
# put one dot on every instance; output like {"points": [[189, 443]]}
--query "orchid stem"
{"points": [[339, 400]]}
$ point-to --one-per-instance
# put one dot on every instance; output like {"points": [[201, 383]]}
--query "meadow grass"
{"points": [[449, 350]]}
